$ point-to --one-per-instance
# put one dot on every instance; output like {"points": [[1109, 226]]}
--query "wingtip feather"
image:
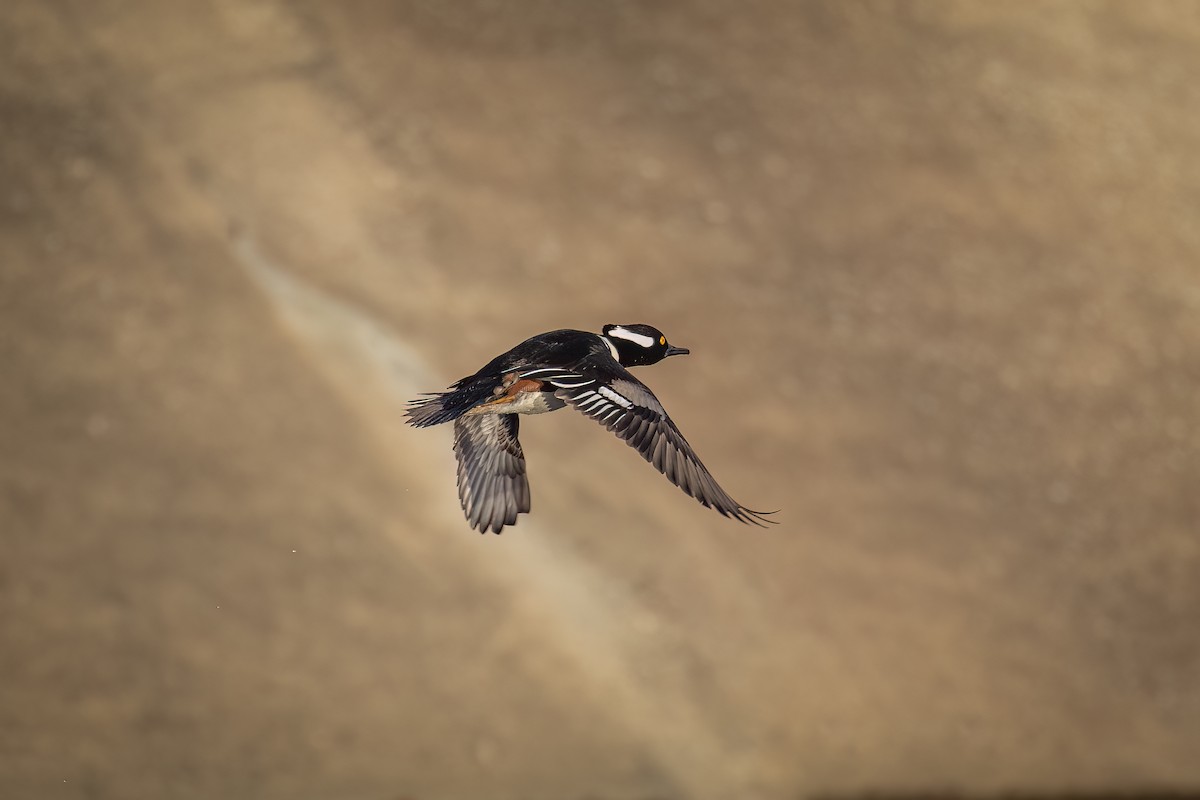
{"points": [[758, 518]]}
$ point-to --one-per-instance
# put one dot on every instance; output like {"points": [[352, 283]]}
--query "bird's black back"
{"points": [[562, 348]]}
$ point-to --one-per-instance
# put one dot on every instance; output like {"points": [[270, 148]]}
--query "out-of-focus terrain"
{"points": [[938, 265]]}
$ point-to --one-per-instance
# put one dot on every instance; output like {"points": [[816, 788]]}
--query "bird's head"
{"points": [[638, 345]]}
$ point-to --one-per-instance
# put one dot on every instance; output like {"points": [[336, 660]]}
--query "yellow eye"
{"points": [[662, 340]]}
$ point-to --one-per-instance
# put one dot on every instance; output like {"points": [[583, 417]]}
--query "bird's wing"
{"points": [[491, 470], [625, 406]]}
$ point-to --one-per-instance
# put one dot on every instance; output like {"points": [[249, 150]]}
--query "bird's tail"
{"points": [[438, 407], [431, 410]]}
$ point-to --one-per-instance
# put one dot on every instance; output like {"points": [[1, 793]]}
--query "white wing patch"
{"points": [[614, 397], [593, 403], [558, 377], [624, 333], [632, 412]]}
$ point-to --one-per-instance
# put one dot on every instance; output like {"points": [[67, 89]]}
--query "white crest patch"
{"points": [[637, 338]]}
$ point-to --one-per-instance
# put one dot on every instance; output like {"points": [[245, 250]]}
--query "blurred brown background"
{"points": [[939, 268]]}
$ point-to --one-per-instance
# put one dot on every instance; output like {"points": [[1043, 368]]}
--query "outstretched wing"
{"points": [[491, 470], [625, 406]]}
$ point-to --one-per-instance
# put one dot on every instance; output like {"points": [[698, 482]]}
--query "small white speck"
{"points": [[97, 425], [485, 751], [293, 551]]}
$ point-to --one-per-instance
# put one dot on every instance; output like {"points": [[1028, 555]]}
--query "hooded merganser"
{"points": [[545, 373]]}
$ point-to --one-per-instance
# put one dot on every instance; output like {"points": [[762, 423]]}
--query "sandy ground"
{"points": [[939, 268]]}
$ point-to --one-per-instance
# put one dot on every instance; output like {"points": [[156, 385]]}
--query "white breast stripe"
{"points": [[624, 333], [612, 349], [616, 398]]}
